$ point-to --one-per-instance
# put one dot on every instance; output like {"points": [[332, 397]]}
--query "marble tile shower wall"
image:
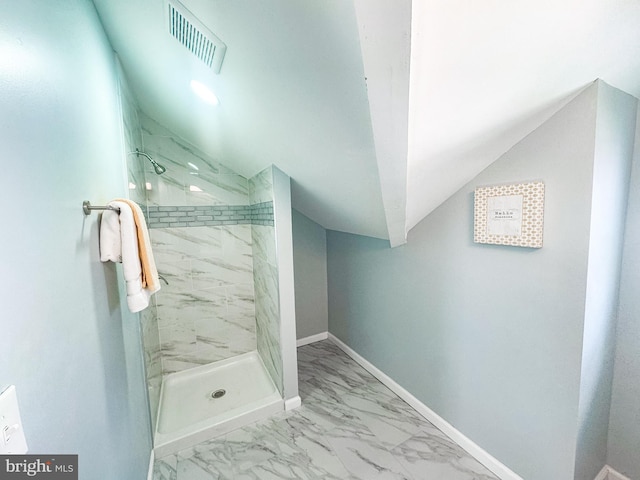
{"points": [[192, 178], [137, 193], [265, 278], [133, 141], [207, 312]]}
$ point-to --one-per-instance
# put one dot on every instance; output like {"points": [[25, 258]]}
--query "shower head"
{"points": [[159, 169]]}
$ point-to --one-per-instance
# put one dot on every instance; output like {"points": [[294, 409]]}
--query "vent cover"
{"points": [[191, 33]]}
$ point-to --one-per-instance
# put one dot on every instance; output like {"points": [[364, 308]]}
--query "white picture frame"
{"points": [[510, 214]]}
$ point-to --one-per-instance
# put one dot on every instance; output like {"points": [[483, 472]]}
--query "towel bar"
{"points": [[87, 207]]}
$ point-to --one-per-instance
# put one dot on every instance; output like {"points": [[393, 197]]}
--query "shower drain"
{"points": [[217, 393]]}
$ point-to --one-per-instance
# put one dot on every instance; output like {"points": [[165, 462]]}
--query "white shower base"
{"points": [[188, 415]]}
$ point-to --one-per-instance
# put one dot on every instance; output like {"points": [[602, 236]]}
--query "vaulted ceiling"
{"points": [[379, 110]]}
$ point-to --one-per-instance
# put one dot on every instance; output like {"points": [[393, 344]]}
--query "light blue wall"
{"points": [[74, 357], [489, 337], [310, 264], [615, 130], [624, 430]]}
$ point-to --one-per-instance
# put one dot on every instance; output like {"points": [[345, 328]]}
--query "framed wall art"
{"points": [[509, 214]]}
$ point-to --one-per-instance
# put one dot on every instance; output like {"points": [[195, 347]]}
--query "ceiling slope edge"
{"points": [[520, 131], [384, 27]]}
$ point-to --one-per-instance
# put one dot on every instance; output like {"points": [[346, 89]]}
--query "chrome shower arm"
{"points": [[159, 169]]}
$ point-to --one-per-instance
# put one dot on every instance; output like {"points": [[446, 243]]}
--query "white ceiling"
{"points": [[379, 110], [485, 74]]}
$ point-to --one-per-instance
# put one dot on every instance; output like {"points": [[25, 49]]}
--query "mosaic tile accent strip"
{"points": [[262, 214], [510, 215], [210, 215]]}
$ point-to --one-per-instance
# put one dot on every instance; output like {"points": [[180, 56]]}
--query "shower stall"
{"points": [[219, 338]]}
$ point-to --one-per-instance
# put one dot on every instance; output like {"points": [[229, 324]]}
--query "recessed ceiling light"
{"points": [[195, 167], [193, 188], [204, 93]]}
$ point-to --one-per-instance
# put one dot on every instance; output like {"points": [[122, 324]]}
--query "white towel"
{"points": [[119, 243], [110, 242]]}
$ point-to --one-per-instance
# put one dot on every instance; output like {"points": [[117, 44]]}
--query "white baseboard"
{"points": [[498, 468], [603, 475], [608, 473], [152, 459], [311, 339], [614, 475], [292, 403]]}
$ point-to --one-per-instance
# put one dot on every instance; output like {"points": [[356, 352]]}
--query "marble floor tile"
{"points": [[432, 457], [368, 460], [239, 450], [190, 469], [165, 468], [349, 427], [382, 417]]}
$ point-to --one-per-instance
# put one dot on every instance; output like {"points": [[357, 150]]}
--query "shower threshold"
{"points": [[208, 401]]}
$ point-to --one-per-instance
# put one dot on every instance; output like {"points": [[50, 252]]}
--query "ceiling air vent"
{"points": [[190, 32]]}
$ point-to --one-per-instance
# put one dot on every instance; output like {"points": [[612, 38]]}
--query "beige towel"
{"points": [[150, 279], [119, 243]]}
